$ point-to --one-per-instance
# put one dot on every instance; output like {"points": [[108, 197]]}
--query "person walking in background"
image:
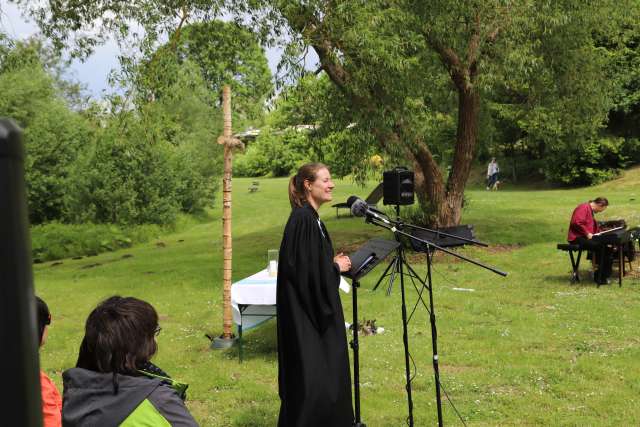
{"points": [[114, 382], [51, 400], [492, 174], [313, 361]]}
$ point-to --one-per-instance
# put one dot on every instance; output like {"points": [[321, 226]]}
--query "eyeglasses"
{"points": [[157, 331]]}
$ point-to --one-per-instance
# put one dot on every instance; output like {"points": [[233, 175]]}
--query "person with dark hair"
{"points": [[313, 361], [582, 227], [114, 381], [51, 400]]}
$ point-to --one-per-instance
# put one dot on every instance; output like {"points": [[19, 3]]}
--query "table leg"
{"points": [[240, 340], [575, 265], [620, 265]]}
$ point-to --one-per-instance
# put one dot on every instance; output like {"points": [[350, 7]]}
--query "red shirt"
{"points": [[582, 222], [51, 402]]}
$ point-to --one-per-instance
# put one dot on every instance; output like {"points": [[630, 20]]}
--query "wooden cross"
{"points": [[230, 143]]}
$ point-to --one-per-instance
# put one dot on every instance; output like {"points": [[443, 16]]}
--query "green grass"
{"points": [[528, 349]]}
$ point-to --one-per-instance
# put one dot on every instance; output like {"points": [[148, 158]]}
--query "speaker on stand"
{"points": [[398, 187]]}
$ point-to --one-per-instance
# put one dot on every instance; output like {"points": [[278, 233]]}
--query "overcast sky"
{"points": [[93, 72]]}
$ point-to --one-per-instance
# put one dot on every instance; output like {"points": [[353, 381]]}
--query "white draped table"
{"points": [[253, 301]]}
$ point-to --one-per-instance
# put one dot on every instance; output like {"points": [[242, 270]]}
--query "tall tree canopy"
{"points": [[224, 52], [402, 65]]}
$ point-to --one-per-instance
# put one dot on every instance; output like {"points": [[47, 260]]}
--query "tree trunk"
{"points": [[466, 139], [446, 199]]}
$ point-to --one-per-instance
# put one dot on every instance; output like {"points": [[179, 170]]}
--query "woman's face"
{"points": [[319, 191]]}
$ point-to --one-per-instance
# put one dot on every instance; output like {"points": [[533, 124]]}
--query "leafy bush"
{"points": [[52, 141], [133, 162], [55, 240], [273, 154], [591, 162], [185, 118], [53, 132], [124, 179], [631, 150]]}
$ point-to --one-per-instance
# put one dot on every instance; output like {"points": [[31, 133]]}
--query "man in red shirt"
{"points": [[582, 227]]}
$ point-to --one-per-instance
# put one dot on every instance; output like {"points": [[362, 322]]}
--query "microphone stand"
{"points": [[356, 359], [399, 261]]}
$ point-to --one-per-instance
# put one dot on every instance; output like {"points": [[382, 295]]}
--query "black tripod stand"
{"points": [[397, 267], [395, 264]]}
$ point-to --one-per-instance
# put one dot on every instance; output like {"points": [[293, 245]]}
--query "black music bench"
{"points": [[575, 260]]}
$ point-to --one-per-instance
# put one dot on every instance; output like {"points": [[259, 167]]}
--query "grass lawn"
{"points": [[528, 349]]}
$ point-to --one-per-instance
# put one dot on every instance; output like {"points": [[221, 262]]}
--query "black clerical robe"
{"points": [[313, 361]]}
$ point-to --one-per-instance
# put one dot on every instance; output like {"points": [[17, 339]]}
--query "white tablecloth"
{"points": [[258, 292]]}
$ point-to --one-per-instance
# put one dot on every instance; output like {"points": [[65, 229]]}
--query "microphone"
{"points": [[352, 199], [360, 208]]}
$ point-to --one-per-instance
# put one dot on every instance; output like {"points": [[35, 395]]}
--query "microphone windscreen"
{"points": [[351, 199], [359, 207]]}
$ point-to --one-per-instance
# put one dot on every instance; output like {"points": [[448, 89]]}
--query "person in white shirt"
{"points": [[492, 174]]}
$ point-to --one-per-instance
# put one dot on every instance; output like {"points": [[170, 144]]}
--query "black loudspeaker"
{"points": [[397, 187]]}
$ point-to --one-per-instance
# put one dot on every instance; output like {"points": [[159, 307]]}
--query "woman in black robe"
{"points": [[313, 360]]}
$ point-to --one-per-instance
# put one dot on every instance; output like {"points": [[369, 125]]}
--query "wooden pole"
{"points": [[227, 243], [226, 339]]}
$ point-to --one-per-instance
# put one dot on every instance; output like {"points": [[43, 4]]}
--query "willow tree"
{"points": [[400, 64]]}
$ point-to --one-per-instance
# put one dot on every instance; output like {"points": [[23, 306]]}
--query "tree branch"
{"points": [[451, 61], [474, 44]]}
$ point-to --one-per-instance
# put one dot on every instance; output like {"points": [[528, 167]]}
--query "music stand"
{"points": [[362, 261]]}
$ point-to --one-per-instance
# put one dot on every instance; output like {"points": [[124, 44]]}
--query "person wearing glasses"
{"points": [[114, 382]]}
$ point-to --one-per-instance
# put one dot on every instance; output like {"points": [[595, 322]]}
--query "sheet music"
{"points": [[608, 231], [344, 285]]}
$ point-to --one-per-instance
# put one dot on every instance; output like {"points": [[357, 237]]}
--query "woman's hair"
{"points": [[119, 336], [297, 192], [44, 317], [600, 201]]}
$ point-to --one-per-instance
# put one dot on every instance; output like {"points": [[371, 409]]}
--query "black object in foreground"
{"points": [[21, 401]]}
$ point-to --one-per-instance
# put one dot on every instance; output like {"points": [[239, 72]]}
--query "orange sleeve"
{"points": [[51, 402]]}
